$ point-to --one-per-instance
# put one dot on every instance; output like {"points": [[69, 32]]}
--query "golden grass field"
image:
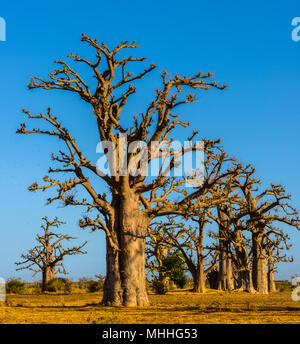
{"points": [[182, 307]]}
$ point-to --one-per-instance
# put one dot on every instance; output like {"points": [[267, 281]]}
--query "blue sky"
{"points": [[246, 45]]}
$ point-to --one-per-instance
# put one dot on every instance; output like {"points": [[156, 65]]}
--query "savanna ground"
{"points": [[182, 307]]}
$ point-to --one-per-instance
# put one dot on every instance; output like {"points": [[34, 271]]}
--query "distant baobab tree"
{"points": [[47, 257]]}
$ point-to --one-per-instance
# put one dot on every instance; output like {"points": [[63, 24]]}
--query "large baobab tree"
{"points": [[134, 199], [47, 257]]}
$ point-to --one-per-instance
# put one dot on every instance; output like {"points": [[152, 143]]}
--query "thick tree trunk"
{"points": [[271, 279], [259, 270], [260, 276], [229, 277], [199, 279], [245, 281], [165, 280], [212, 277], [132, 265], [225, 277], [125, 282], [198, 273], [47, 275], [112, 290]]}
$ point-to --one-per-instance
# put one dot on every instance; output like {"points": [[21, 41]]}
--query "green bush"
{"points": [[15, 286], [94, 286], [179, 278], [159, 287], [174, 267], [59, 285]]}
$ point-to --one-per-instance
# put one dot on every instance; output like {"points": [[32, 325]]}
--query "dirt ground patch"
{"points": [[213, 307]]}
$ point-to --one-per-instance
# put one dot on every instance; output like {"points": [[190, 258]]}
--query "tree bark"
{"points": [[112, 290], [199, 279], [212, 277], [259, 270], [125, 282], [47, 275], [245, 281], [132, 265], [271, 279], [229, 276], [225, 277]]}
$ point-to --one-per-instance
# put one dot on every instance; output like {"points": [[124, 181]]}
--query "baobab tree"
{"points": [[187, 241], [47, 257], [134, 200], [157, 249], [234, 248], [276, 244], [266, 209], [247, 223], [237, 249], [188, 238]]}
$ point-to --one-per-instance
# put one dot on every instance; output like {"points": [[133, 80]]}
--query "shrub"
{"points": [[179, 278], [283, 286], [159, 287], [59, 284], [174, 267], [15, 286], [34, 288], [94, 286], [83, 283], [37, 287]]}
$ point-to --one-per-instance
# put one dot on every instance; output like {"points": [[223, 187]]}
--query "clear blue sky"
{"points": [[246, 45]]}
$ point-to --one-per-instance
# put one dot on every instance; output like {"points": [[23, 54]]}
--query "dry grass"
{"points": [[173, 308]]}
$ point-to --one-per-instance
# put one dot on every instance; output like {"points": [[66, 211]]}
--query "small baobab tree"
{"points": [[266, 209], [47, 257], [157, 249], [187, 241]]}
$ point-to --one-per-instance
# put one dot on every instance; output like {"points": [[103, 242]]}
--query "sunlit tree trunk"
{"points": [[271, 278], [199, 278], [47, 275], [259, 270], [125, 281]]}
